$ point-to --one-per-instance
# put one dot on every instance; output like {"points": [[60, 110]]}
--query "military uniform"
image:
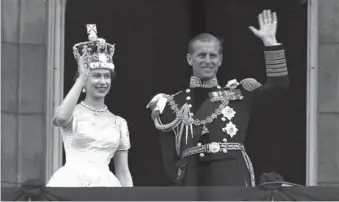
{"points": [[203, 128]]}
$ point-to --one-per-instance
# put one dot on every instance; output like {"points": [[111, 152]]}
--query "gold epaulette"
{"points": [[250, 84]]}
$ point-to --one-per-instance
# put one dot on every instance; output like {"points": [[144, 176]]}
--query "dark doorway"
{"points": [[151, 38]]}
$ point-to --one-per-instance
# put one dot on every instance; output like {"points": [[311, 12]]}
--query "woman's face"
{"points": [[98, 83]]}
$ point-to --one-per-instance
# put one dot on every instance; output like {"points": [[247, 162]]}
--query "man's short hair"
{"points": [[204, 37]]}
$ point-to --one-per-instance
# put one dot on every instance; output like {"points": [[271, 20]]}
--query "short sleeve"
{"points": [[57, 124], [70, 124], [124, 135]]}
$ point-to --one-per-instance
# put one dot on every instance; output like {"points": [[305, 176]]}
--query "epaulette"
{"points": [[250, 84]]}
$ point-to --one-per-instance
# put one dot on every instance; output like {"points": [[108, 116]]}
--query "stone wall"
{"points": [[328, 93], [23, 66]]}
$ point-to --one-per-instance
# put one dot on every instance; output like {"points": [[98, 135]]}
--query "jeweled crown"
{"points": [[99, 52]]}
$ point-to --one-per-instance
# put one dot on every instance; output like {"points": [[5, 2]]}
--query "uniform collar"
{"points": [[196, 82]]}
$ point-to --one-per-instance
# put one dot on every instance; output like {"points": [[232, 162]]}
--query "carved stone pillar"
{"points": [[55, 84]]}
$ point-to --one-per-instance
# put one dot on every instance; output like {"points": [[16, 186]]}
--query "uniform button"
{"points": [[191, 114], [224, 140], [218, 87], [199, 144], [188, 98], [223, 119], [202, 155], [224, 150], [188, 90], [190, 106]]}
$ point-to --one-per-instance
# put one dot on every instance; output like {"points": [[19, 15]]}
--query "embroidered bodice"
{"points": [[93, 139], [90, 143]]}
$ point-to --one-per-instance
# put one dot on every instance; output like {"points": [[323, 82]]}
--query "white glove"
{"points": [[157, 104]]}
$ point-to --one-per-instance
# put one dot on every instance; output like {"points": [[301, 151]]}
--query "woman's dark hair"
{"points": [[113, 75]]}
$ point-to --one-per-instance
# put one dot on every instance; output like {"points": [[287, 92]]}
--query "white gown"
{"points": [[90, 144]]}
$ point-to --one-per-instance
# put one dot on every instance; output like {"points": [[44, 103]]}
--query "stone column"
{"points": [[55, 82], [23, 90], [328, 92]]}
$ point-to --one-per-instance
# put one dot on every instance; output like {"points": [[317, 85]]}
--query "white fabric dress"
{"points": [[90, 143]]}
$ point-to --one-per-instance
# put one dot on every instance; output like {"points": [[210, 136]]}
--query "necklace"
{"points": [[95, 111]]}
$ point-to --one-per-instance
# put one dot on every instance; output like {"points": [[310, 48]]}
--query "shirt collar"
{"points": [[196, 82]]}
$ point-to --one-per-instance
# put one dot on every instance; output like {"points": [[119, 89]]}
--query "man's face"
{"points": [[205, 59]]}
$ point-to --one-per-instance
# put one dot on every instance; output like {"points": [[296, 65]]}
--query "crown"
{"points": [[99, 52]]}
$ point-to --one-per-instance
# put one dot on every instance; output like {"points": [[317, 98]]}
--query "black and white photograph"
{"points": [[169, 100]]}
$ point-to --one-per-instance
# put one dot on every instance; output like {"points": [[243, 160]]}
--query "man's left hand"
{"points": [[268, 23]]}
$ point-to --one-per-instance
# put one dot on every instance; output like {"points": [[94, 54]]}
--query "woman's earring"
{"points": [[83, 90]]}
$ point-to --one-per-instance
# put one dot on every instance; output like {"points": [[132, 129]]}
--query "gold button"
{"points": [[224, 140], [188, 98], [188, 90], [224, 150], [202, 155], [199, 144]]}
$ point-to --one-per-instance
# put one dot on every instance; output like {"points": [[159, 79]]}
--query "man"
{"points": [[202, 128]]}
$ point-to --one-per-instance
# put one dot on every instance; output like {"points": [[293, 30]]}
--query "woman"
{"points": [[92, 135]]}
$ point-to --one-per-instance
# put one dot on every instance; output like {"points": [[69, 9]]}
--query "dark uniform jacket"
{"points": [[228, 111]]}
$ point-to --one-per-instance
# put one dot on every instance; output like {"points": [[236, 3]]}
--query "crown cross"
{"points": [[100, 53], [91, 28]]}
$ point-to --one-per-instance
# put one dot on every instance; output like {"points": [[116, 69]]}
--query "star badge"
{"points": [[230, 129], [228, 112]]}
